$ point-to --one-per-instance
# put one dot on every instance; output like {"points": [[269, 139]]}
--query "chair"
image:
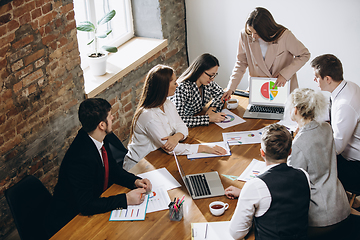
{"points": [[28, 201]]}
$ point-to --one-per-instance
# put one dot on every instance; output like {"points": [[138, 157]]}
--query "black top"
{"points": [[287, 217]]}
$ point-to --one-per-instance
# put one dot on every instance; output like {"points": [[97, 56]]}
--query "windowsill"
{"points": [[129, 56]]}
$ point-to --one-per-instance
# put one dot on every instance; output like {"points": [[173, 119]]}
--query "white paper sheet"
{"points": [[245, 137], [161, 178], [158, 200], [132, 213], [213, 230], [231, 119], [255, 168], [224, 145]]}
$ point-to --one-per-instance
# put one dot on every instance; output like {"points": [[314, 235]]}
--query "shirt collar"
{"points": [[97, 143], [338, 89]]}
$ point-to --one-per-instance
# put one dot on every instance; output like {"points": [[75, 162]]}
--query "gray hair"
{"points": [[310, 104]]}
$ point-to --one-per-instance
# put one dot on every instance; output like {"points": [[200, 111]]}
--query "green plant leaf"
{"points": [[108, 32], [90, 42], [107, 17], [110, 49], [104, 35], [86, 27]]}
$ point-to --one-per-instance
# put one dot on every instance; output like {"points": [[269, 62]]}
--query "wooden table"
{"points": [[157, 224]]}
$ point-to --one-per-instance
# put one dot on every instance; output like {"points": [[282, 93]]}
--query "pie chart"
{"points": [[268, 90]]}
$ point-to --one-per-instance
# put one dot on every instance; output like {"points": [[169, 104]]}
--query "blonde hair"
{"points": [[310, 104]]}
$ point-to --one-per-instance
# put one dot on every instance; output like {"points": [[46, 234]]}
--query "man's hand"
{"points": [[136, 196], [144, 183], [232, 192]]}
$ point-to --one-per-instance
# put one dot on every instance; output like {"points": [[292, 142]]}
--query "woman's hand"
{"points": [[214, 116], [213, 150], [172, 141], [280, 81], [232, 192], [227, 95]]}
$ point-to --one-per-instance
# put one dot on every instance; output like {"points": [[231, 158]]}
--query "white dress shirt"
{"points": [[152, 125], [345, 120], [98, 146], [254, 201]]}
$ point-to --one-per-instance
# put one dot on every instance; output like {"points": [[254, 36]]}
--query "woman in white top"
{"points": [[156, 123], [313, 150]]}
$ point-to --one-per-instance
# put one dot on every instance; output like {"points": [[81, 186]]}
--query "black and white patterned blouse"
{"points": [[188, 101]]}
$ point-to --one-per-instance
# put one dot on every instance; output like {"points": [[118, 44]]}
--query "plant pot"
{"points": [[97, 64]]}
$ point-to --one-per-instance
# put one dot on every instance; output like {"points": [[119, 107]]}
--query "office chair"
{"points": [[28, 201]]}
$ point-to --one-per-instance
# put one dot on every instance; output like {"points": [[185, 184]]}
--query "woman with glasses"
{"points": [[196, 89], [313, 150], [156, 123], [269, 50]]}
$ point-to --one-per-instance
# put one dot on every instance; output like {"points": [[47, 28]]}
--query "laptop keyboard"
{"points": [[200, 185], [266, 109]]}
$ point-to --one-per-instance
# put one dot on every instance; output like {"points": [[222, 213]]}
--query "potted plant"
{"points": [[97, 60]]}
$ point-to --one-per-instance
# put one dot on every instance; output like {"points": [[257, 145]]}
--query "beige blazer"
{"points": [[285, 56]]}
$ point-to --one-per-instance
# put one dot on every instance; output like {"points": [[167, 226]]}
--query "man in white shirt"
{"points": [[277, 200], [344, 117]]}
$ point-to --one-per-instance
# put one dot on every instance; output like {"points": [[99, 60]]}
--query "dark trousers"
{"points": [[349, 173]]}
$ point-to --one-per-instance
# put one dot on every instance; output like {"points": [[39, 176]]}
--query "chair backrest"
{"points": [[28, 201]]}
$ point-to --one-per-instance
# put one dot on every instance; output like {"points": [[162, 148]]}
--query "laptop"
{"points": [[266, 101], [201, 185]]}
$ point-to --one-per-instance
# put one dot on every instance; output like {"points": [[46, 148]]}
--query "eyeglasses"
{"points": [[211, 76]]}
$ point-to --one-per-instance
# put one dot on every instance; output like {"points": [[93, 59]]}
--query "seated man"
{"points": [[89, 168], [345, 117], [277, 200]]}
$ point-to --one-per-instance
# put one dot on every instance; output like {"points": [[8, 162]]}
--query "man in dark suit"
{"points": [[87, 170]]}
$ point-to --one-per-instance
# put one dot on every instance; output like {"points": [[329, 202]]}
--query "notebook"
{"points": [[266, 101], [201, 185]]}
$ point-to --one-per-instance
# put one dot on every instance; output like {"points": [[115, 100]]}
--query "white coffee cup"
{"points": [[217, 208], [232, 103]]}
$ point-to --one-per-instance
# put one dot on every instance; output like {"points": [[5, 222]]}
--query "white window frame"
{"points": [[91, 16]]}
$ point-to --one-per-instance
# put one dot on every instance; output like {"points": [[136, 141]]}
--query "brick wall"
{"points": [[41, 87]]}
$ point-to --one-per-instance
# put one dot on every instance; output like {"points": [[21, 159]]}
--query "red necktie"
{"points": [[106, 166]]}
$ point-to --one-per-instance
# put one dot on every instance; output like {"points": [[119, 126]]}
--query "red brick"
{"points": [[62, 42], [125, 93], [39, 3], [33, 57], [7, 94], [70, 104], [7, 38], [34, 24], [12, 25], [4, 50], [39, 62], [32, 77], [48, 39], [17, 87], [127, 107], [5, 18], [25, 19], [5, 8], [3, 63], [24, 41], [70, 15], [9, 134], [10, 144], [67, 8], [3, 30], [58, 23], [46, 8], [1, 141], [22, 73], [18, 3], [32, 88], [45, 19], [55, 106], [70, 26], [36, 13], [28, 7], [171, 53]]}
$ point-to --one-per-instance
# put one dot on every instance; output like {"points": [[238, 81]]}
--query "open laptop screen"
{"points": [[264, 92]]}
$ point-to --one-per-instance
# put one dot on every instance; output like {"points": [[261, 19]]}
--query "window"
{"points": [[93, 10]]}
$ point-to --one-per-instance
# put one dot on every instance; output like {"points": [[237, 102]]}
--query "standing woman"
{"points": [[313, 150], [196, 89], [269, 50], [156, 123]]}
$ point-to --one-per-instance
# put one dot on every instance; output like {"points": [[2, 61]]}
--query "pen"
{"points": [[206, 230], [223, 115]]}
